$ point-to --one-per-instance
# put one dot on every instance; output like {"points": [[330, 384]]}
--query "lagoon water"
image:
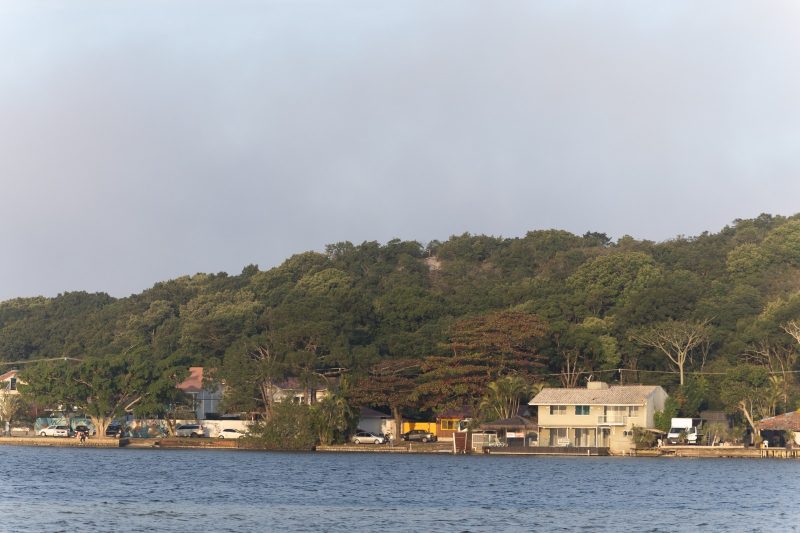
{"points": [[87, 490]]}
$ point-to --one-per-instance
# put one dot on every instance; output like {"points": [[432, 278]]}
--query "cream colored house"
{"points": [[8, 389], [601, 415]]}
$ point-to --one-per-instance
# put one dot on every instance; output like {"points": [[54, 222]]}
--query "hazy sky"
{"points": [[144, 140]]}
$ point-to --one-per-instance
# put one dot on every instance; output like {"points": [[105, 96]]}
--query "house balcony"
{"points": [[612, 420]]}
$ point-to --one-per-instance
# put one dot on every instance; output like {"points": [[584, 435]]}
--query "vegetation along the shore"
{"points": [[415, 329]]}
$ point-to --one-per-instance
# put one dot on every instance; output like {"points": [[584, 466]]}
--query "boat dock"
{"points": [[583, 451]]}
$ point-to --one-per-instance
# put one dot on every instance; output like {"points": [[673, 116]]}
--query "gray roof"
{"points": [[515, 422], [614, 395], [366, 412]]}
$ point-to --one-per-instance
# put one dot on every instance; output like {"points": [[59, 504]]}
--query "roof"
{"points": [[515, 422], [613, 395], [293, 383], [458, 412], [786, 421], [193, 383], [8, 375], [366, 412]]}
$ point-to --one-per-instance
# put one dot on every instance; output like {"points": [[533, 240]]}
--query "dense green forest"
{"points": [[713, 318]]}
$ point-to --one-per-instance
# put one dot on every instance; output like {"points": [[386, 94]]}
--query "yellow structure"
{"points": [[425, 426]]}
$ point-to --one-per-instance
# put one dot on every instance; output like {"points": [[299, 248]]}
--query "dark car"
{"points": [[83, 428], [418, 435], [114, 430]]}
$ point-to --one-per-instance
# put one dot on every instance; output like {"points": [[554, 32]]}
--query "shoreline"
{"points": [[685, 452]]}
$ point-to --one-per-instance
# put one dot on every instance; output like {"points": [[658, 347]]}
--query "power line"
{"points": [[686, 373], [26, 361]]}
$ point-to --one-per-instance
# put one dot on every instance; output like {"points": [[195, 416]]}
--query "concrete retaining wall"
{"points": [[63, 442]]}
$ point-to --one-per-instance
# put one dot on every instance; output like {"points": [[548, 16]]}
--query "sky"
{"points": [[143, 140]]}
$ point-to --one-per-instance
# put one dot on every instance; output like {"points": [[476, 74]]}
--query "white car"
{"points": [[189, 430], [55, 431], [231, 434]]}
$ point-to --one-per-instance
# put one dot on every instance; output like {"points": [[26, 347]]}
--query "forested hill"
{"points": [[589, 304]]}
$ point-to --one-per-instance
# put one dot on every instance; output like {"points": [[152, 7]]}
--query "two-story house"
{"points": [[8, 389], [600, 415]]}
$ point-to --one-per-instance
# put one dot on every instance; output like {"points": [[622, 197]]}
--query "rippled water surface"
{"points": [[160, 490]]}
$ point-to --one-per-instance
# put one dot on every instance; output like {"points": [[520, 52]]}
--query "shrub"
{"points": [[291, 428], [643, 438]]}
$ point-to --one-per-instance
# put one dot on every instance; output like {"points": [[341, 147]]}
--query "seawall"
{"points": [[63, 442]]}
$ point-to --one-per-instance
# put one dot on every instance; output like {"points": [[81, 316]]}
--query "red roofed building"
{"points": [[205, 399], [773, 428]]}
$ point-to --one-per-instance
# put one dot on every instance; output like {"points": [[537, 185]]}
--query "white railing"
{"points": [[612, 420]]}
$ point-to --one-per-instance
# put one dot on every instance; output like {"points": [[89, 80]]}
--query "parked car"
{"points": [[231, 434], [114, 430], [418, 435], [55, 431], [83, 428], [367, 438], [189, 430]]}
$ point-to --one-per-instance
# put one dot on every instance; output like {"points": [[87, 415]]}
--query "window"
{"points": [[448, 423], [558, 437], [558, 409], [633, 410], [584, 437], [581, 409], [13, 384]]}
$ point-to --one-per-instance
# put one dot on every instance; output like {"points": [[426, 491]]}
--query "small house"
{"points": [[375, 421], [447, 422], [515, 431], [776, 429]]}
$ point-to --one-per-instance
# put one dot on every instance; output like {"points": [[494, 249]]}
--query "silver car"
{"points": [[367, 438]]}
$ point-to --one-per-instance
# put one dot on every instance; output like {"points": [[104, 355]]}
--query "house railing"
{"points": [[612, 420]]}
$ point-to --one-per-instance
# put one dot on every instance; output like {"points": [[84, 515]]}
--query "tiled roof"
{"points": [[786, 421], [193, 383], [8, 375], [515, 422], [614, 395]]}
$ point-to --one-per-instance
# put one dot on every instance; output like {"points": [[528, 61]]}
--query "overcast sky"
{"points": [[144, 140]]}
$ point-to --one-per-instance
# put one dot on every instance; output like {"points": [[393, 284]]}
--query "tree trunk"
{"points": [[101, 424], [170, 421], [398, 422], [746, 412]]}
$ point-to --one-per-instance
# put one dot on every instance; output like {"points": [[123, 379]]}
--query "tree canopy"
{"points": [[455, 315]]}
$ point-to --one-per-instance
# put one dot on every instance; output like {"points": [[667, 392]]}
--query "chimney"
{"points": [[596, 385]]}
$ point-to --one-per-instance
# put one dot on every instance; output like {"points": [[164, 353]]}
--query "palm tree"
{"points": [[503, 397], [332, 415]]}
